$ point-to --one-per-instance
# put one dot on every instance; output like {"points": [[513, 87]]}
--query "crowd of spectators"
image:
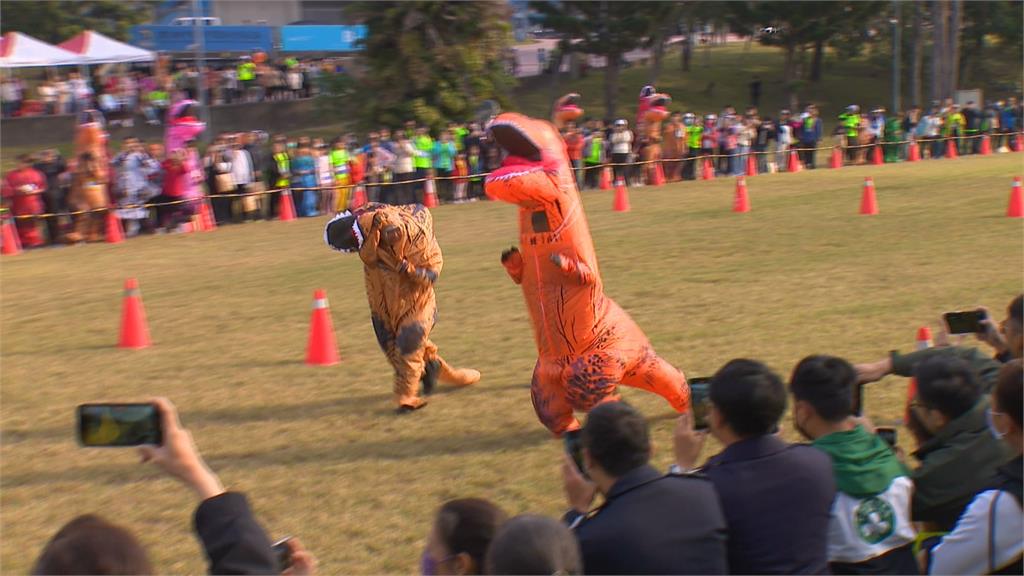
{"points": [[849, 501], [244, 173], [729, 138], [126, 94]]}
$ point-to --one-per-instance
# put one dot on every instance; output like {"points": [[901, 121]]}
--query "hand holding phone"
{"points": [[178, 455], [283, 554], [969, 322], [700, 401], [118, 425], [574, 448]]}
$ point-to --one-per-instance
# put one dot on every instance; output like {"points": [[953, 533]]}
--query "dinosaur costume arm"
{"points": [[512, 260], [574, 268], [527, 186]]}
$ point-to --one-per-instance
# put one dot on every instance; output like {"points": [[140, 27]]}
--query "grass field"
{"points": [[319, 451]]}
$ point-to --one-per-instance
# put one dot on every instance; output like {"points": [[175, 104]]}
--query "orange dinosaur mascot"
{"points": [[402, 261], [586, 344], [650, 114]]}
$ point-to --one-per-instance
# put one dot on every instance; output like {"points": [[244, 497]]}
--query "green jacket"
{"points": [[863, 464], [425, 145], [851, 122], [593, 155], [693, 136], [957, 463], [986, 367]]}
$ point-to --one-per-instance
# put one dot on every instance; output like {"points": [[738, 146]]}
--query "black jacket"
{"points": [[654, 524], [777, 498], [234, 542]]}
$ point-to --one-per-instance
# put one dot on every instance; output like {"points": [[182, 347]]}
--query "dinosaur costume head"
{"points": [[567, 109], [656, 109]]}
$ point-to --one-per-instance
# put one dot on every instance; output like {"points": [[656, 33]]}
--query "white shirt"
{"points": [[622, 142], [965, 550], [241, 167]]}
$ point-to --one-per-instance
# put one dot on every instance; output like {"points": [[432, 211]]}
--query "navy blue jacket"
{"points": [[234, 542], [777, 498], [654, 524]]}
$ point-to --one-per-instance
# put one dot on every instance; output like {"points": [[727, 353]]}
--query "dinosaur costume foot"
{"points": [[457, 376], [410, 406]]}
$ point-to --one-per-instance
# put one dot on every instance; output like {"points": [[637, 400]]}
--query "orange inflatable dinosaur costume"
{"points": [[402, 261], [586, 344], [650, 114]]}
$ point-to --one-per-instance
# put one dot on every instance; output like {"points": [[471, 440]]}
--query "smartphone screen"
{"points": [[887, 434], [119, 425], [282, 554], [700, 401], [964, 322], [574, 446]]}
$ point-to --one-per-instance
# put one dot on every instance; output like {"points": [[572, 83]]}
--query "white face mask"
{"points": [[992, 425]]}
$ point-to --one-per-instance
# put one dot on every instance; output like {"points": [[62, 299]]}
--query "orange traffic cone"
{"points": [[321, 350], [134, 331], [876, 155], [286, 208], [868, 202], [1016, 206], [751, 165], [914, 153], [794, 162], [429, 195], [924, 338], [621, 203], [606, 178], [951, 151], [837, 158], [741, 203], [707, 171], [10, 243], [114, 233], [1018, 143], [986, 145], [359, 198], [659, 174], [206, 216]]}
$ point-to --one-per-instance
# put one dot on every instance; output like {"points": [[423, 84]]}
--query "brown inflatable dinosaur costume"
{"points": [[402, 261], [587, 345], [651, 113]]}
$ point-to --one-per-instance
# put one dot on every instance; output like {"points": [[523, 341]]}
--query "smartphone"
{"points": [[858, 400], [964, 322], [282, 554], [700, 401], [574, 446], [887, 434], [117, 425]]}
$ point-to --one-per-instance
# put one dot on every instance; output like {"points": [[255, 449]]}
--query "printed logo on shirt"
{"points": [[875, 520]]}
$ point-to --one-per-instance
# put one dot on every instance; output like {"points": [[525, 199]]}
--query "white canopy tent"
{"points": [[95, 48], [18, 50]]}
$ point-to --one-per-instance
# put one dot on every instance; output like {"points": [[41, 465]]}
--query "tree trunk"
{"points": [[688, 46], [658, 53], [819, 54], [953, 46], [789, 76], [916, 56], [938, 49], [611, 83]]}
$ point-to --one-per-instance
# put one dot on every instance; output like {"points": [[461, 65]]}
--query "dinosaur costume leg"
{"points": [[656, 375], [404, 343]]}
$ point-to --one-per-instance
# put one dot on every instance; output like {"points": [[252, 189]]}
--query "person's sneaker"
{"points": [[428, 380]]}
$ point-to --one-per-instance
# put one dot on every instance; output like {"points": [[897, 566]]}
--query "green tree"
{"points": [[608, 29], [430, 61], [56, 21]]}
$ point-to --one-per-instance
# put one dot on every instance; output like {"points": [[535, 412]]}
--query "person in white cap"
{"points": [[622, 143]]}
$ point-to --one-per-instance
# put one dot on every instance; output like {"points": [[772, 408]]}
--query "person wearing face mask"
{"points": [[961, 454], [458, 540], [870, 531], [987, 538]]}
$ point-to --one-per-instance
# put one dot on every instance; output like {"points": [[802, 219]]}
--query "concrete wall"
{"points": [[273, 117]]}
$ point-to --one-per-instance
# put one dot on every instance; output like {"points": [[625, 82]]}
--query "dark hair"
{"points": [[827, 383], [1016, 309], [948, 385], [468, 525], [1009, 391], [617, 438], [530, 544], [749, 396], [90, 545]]}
